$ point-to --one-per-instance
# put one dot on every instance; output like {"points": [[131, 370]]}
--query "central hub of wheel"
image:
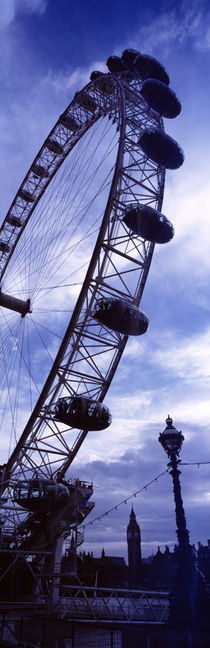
{"points": [[18, 305]]}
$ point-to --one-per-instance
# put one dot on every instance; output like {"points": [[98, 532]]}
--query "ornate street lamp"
{"points": [[171, 441], [170, 438], [183, 607]]}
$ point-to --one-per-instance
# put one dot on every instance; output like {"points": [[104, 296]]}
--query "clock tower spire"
{"points": [[134, 544]]}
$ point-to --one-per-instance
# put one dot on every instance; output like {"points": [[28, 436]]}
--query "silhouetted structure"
{"points": [[163, 568], [203, 560], [156, 571], [134, 547], [107, 571], [134, 542]]}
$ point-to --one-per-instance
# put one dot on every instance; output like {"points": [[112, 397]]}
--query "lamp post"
{"points": [[183, 603], [171, 441]]}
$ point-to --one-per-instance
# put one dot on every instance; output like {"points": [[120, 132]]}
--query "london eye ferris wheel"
{"points": [[75, 250]]}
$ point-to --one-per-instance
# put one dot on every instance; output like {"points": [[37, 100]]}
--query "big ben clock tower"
{"points": [[134, 544]]}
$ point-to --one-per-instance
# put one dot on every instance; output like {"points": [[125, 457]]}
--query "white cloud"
{"points": [[186, 358], [7, 13], [204, 43], [74, 81], [9, 9], [173, 28], [34, 6]]}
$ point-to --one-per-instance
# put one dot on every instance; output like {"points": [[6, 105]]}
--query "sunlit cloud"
{"points": [[73, 80], [10, 9], [34, 6], [174, 27], [189, 357]]}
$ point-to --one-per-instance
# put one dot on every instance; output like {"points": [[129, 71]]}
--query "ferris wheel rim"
{"points": [[93, 259], [5, 258], [80, 299]]}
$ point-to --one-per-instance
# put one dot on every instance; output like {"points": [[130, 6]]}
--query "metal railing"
{"points": [[99, 604]]}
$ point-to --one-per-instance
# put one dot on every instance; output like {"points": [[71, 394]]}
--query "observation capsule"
{"points": [[25, 195], [120, 316], [54, 146], [116, 65], [128, 57], [39, 171], [82, 413], [161, 98], [85, 101], [40, 494], [4, 247], [69, 122], [161, 148], [14, 220], [148, 223], [102, 81], [150, 68]]}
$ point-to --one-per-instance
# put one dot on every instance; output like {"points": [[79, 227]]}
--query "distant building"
{"points": [[157, 571], [163, 568], [203, 560], [106, 571]]}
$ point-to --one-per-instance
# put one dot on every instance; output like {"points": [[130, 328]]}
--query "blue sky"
{"points": [[48, 50]]}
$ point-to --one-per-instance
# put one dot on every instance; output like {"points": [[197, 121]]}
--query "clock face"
{"points": [[132, 534]]}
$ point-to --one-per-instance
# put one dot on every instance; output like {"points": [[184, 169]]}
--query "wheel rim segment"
{"points": [[89, 353]]}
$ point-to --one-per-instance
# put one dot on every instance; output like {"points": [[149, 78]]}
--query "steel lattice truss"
{"points": [[89, 352], [94, 607], [133, 606]]}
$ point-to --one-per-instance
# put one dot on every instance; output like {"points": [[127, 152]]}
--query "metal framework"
{"points": [[98, 604], [87, 604], [89, 353]]}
